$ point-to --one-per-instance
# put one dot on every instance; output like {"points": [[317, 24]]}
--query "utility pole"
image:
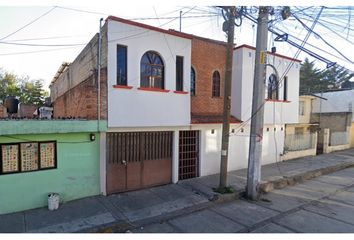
{"points": [[228, 27], [256, 134], [180, 21]]}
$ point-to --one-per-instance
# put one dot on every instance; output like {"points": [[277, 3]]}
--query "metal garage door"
{"points": [[137, 160]]}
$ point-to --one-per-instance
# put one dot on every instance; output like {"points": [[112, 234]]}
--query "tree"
{"points": [[26, 90], [313, 80], [310, 78], [335, 76], [32, 92], [8, 85]]}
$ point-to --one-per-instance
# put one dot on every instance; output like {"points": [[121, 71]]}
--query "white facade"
{"points": [[135, 107], [275, 112], [337, 101], [210, 146]]}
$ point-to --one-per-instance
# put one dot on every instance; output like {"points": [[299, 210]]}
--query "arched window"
{"points": [[216, 84], [273, 87], [152, 70], [192, 82]]}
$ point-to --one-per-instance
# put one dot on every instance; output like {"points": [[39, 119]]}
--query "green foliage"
{"points": [[312, 80], [26, 90], [224, 190], [336, 76]]}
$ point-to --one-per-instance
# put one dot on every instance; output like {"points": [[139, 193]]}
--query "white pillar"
{"points": [[103, 163], [175, 156], [326, 148]]}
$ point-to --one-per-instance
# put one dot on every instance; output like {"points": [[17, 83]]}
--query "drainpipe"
{"points": [[99, 76]]}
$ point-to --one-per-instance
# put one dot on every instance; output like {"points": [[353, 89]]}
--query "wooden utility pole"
{"points": [[256, 134], [229, 27]]}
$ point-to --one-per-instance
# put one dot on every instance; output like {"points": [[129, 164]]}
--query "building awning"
{"points": [[210, 119]]}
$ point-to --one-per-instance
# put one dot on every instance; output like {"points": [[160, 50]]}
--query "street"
{"points": [[321, 205]]}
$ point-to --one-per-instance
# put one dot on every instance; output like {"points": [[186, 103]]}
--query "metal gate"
{"points": [[188, 154], [137, 160]]}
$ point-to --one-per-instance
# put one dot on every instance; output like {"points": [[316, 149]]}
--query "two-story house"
{"points": [[161, 96], [144, 100], [281, 99]]}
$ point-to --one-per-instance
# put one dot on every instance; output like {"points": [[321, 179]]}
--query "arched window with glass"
{"points": [[216, 84], [152, 71], [192, 81], [273, 87]]}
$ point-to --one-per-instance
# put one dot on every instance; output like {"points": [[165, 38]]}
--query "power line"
{"points": [[43, 45], [37, 51], [36, 19], [319, 36], [46, 38]]}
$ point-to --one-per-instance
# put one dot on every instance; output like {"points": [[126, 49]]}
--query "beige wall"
{"points": [[352, 135], [82, 68], [307, 109], [290, 128]]}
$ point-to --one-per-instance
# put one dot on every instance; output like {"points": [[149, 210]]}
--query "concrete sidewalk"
{"points": [[120, 212]]}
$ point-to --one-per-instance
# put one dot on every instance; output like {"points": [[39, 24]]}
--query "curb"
{"points": [[299, 178], [265, 186]]}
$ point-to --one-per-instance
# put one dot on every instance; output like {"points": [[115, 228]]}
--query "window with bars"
{"points": [[216, 84], [152, 70]]}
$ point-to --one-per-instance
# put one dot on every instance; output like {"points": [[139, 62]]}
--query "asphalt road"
{"points": [[321, 205]]}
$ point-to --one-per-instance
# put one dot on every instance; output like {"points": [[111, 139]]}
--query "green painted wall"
{"points": [[10, 127], [77, 174]]}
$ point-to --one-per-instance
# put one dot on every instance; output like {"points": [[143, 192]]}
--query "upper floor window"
{"points": [[273, 87], [122, 65], [152, 70], [179, 73], [216, 84], [192, 81], [301, 108], [285, 87]]}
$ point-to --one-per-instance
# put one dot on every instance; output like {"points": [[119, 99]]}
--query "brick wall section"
{"points": [[81, 101], [207, 56], [3, 113]]}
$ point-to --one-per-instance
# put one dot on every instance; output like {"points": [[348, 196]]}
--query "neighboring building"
{"points": [[281, 100], [301, 138], [333, 110], [40, 157], [27, 110]]}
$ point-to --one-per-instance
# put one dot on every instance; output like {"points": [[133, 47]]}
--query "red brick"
{"points": [[207, 57], [81, 101]]}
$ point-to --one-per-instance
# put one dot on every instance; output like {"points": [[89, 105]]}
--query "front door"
{"points": [[188, 154]]}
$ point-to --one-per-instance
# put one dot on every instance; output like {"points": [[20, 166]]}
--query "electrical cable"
{"points": [[44, 45], [319, 36], [34, 20], [37, 51]]}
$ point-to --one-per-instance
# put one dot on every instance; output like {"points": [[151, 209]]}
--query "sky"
{"points": [[67, 26]]}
